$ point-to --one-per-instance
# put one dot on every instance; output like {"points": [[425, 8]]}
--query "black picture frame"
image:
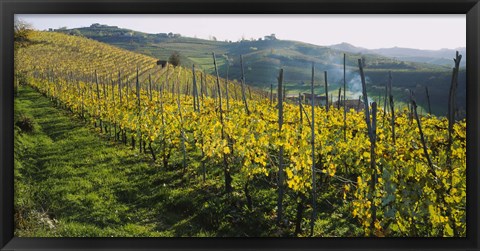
{"points": [[10, 7]]}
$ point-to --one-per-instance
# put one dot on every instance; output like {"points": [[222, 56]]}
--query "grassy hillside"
{"points": [[159, 46], [442, 57], [71, 182], [263, 59], [276, 53], [103, 151], [66, 57]]}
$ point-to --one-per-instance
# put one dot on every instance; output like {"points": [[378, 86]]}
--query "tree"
{"points": [[21, 38], [75, 32], [22, 32], [174, 59]]}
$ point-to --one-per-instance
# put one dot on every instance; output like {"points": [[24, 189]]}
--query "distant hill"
{"points": [[264, 57], [348, 48], [441, 57]]}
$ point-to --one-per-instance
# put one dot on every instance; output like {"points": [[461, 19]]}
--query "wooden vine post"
{"points": [[371, 127], [197, 109], [373, 165], [114, 111], [280, 154], [127, 92], [226, 88], [244, 98], [326, 88], [451, 108], [167, 77], [201, 85], [182, 130], [150, 87], [387, 84], [428, 101], [365, 98], [138, 113], [83, 102], [314, 182], [174, 82], [392, 105], [344, 100], [300, 196], [226, 171], [301, 111], [164, 153], [105, 99], [339, 97], [98, 100], [152, 152], [205, 84], [195, 92], [271, 94], [410, 105], [120, 96], [451, 121], [422, 138]]}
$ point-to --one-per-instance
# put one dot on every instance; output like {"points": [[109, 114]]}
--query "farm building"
{"points": [[320, 100], [291, 97], [355, 104], [163, 63], [317, 99], [306, 98]]}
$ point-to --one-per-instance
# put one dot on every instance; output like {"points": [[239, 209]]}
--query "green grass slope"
{"points": [[71, 181]]}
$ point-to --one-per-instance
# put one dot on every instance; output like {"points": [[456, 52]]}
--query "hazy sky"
{"points": [[369, 31]]}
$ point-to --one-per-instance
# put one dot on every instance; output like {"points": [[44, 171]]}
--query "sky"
{"points": [[431, 32]]}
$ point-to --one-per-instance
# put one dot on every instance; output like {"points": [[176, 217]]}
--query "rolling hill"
{"points": [[441, 57], [264, 57]]}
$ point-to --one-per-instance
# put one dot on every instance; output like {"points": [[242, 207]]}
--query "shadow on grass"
{"points": [[94, 186]]}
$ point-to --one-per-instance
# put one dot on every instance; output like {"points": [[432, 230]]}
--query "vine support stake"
{"points": [[326, 89], [372, 127], [451, 107], [314, 187], [344, 100], [392, 105], [280, 154], [226, 171], [422, 138], [138, 112], [428, 100], [373, 166], [244, 98], [339, 97]]}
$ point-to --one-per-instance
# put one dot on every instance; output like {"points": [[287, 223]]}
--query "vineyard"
{"points": [[387, 172]]}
